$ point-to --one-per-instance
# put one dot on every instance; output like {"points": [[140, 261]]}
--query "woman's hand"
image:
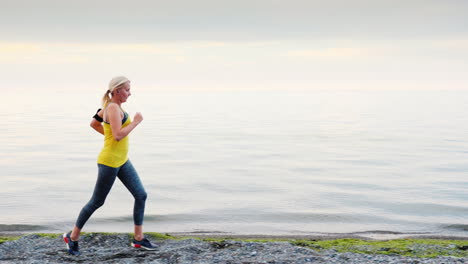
{"points": [[138, 118], [96, 125]]}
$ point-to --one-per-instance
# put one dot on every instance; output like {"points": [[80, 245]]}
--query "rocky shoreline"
{"points": [[114, 248]]}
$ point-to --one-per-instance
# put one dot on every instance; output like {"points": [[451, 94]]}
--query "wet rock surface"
{"points": [[101, 248]]}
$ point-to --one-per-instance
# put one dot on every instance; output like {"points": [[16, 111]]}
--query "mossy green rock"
{"points": [[405, 247]]}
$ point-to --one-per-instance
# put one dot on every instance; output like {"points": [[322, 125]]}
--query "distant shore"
{"points": [[370, 235]]}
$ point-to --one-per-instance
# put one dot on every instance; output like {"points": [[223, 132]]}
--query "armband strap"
{"points": [[97, 117]]}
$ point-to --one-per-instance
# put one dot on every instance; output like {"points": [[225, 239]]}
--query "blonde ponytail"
{"points": [[106, 99]]}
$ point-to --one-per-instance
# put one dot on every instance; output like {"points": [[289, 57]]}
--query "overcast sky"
{"points": [[235, 45]]}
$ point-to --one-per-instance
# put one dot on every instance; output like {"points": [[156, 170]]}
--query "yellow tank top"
{"points": [[114, 153]]}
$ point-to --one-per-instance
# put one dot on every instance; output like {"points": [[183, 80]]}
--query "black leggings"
{"points": [[106, 177]]}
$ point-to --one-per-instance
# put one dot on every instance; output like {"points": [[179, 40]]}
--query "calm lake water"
{"points": [[245, 162]]}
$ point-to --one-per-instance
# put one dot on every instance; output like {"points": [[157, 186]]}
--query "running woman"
{"points": [[115, 124]]}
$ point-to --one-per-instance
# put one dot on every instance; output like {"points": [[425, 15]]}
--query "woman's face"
{"points": [[123, 92]]}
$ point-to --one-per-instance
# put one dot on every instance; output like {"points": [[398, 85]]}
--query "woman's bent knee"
{"points": [[96, 204], [142, 196]]}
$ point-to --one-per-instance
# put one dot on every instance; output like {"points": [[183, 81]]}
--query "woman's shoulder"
{"points": [[111, 105]]}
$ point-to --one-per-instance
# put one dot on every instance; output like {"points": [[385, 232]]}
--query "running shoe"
{"points": [[144, 244], [72, 246]]}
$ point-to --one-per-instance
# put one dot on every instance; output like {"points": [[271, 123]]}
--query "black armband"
{"points": [[97, 117]]}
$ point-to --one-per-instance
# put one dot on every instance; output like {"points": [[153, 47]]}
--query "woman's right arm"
{"points": [[96, 124], [115, 119]]}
